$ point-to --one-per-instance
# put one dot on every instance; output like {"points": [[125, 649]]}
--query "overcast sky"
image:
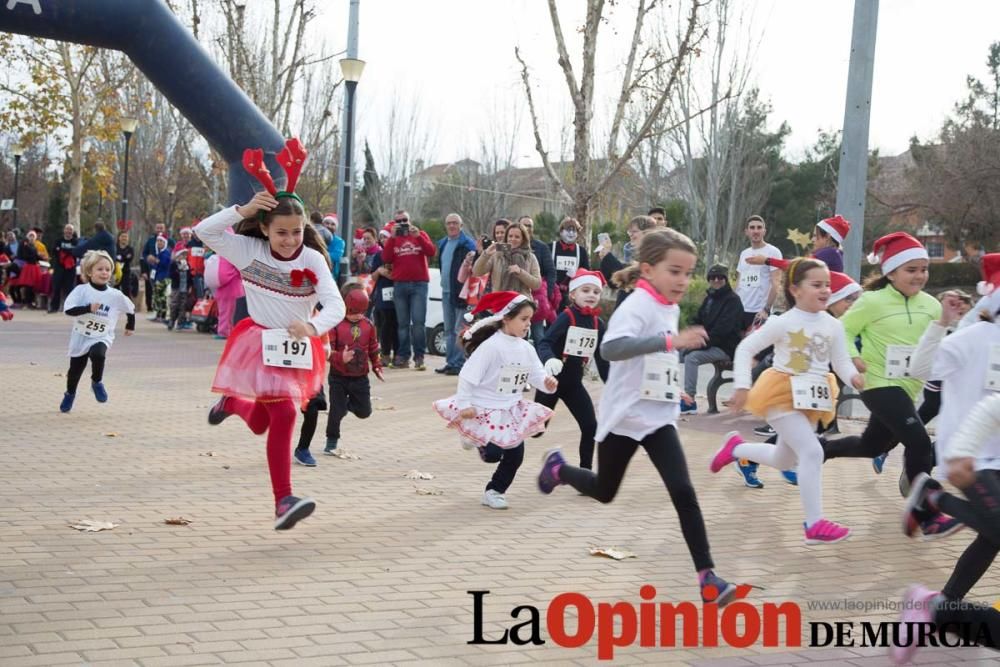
{"points": [[455, 60]]}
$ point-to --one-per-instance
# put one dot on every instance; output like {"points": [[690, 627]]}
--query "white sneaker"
{"points": [[467, 444], [494, 500], [151, 317]]}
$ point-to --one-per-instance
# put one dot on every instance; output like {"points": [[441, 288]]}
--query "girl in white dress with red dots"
{"points": [[489, 410]]}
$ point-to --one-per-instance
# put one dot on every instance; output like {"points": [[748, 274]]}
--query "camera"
{"points": [[402, 228]]}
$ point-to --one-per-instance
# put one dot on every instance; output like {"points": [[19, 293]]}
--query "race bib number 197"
{"points": [[283, 351]]}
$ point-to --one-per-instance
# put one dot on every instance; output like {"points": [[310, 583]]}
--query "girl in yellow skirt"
{"points": [[797, 392]]}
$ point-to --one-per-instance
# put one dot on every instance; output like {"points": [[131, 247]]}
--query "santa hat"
{"points": [[163, 238], [330, 217], [185, 229], [841, 287], [498, 303], [584, 277], [356, 301], [990, 265], [894, 250], [836, 227]]}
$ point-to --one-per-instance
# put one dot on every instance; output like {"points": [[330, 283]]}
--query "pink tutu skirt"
{"points": [[242, 371], [504, 427]]}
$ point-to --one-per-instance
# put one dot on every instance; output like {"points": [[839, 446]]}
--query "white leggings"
{"points": [[797, 443]]}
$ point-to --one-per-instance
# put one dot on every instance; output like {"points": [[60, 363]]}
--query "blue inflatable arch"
{"points": [[170, 57]]}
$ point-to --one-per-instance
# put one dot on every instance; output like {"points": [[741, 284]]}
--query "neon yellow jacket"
{"points": [[886, 317]]}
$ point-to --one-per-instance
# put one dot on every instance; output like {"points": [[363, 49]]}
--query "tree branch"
{"points": [[549, 170]]}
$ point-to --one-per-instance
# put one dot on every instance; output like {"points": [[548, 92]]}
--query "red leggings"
{"points": [[277, 418]]}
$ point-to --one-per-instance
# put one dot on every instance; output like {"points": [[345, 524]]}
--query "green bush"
{"points": [[692, 300]]}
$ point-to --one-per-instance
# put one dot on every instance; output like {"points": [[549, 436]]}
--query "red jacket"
{"points": [[408, 256], [361, 337]]}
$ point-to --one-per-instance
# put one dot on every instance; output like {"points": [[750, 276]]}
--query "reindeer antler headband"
{"points": [[291, 158]]}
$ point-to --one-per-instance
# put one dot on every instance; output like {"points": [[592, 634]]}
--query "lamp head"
{"points": [[352, 69], [128, 125]]}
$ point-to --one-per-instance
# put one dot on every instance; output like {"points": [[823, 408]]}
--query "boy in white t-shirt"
{"points": [[757, 285]]}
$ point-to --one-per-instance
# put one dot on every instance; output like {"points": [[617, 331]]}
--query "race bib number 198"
{"points": [[811, 392], [282, 350]]}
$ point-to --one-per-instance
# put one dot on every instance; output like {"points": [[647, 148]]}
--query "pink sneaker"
{"points": [[916, 609], [724, 456], [826, 532]]}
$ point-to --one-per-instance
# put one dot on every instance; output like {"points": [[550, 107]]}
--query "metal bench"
{"points": [[716, 383]]}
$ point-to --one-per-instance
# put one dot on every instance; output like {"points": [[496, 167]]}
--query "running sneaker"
{"points": [[918, 603], [716, 589], [400, 363], [494, 500], [724, 456], [916, 503], [67, 403], [764, 431], [418, 364], [548, 478], [689, 407], [904, 484], [748, 471], [879, 462], [791, 477], [826, 532], [291, 510], [100, 393], [304, 458], [939, 526], [217, 414], [331, 447]]}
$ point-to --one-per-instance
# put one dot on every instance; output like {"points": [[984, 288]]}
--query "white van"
{"points": [[436, 342]]}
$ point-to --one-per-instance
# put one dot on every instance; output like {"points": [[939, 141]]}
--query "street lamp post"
{"points": [[171, 191], [128, 128], [18, 152], [351, 68]]}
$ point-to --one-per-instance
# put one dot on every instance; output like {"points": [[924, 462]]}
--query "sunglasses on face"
{"points": [[714, 278], [403, 220]]}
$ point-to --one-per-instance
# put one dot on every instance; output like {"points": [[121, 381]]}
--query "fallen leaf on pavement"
{"points": [[349, 456], [429, 492], [90, 526], [611, 552], [179, 521], [57, 375], [112, 434], [416, 474], [32, 363], [388, 407], [207, 454], [225, 467]]}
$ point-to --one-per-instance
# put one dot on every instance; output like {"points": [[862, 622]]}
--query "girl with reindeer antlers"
{"points": [[273, 360]]}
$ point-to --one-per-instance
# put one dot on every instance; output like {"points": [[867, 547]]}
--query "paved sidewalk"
{"points": [[379, 574]]}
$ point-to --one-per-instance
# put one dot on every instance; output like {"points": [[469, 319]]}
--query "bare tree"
{"points": [[642, 63]]}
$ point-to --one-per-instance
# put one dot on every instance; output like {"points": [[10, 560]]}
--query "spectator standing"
{"points": [[101, 240], [385, 309], [335, 246], [408, 250], [547, 269], [659, 216], [511, 265], [64, 267], [195, 259], [568, 256], [758, 285], [147, 267], [452, 250], [124, 254], [721, 313]]}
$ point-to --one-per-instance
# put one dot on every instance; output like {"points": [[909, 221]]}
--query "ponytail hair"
{"points": [[654, 244], [796, 273], [253, 227], [876, 282]]}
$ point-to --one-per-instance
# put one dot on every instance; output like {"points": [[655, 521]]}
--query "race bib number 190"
{"points": [[283, 351]]}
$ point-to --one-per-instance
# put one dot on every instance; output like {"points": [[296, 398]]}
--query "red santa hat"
{"points": [[894, 250], [837, 227], [498, 303], [584, 277], [990, 265], [185, 229], [841, 287], [163, 238], [331, 217]]}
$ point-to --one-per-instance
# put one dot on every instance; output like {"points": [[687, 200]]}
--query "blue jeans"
{"points": [[452, 325], [410, 299], [537, 332]]}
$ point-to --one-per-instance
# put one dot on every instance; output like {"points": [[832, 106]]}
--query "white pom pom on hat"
{"points": [[990, 267]]}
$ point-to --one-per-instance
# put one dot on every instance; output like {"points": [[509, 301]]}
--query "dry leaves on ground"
{"points": [[348, 456], [111, 434], [388, 407], [91, 526], [179, 521], [208, 454], [616, 553], [428, 492], [416, 474]]}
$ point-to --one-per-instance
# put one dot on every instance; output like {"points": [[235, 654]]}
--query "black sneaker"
{"points": [[442, 370], [217, 414], [291, 510], [764, 431]]}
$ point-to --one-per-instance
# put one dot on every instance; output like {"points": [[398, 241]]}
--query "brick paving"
{"points": [[379, 574]]}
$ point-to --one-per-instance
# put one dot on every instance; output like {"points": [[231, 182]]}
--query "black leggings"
{"points": [[310, 416], [578, 402], [980, 620], [388, 331], [509, 459], [96, 354], [664, 450], [931, 406], [347, 394], [981, 512], [893, 420]]}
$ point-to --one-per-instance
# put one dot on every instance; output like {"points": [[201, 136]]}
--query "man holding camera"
{"points": [[407, 251]]}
